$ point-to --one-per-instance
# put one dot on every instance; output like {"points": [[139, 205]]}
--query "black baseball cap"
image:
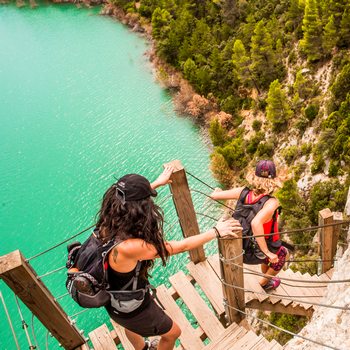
{"points": [[265, 168], [134, 187]]}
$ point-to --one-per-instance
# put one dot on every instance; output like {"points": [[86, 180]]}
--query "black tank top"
{"points": [[118, 280]]}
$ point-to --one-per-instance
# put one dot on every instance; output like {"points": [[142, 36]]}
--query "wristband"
{"points": [[217, 232]]}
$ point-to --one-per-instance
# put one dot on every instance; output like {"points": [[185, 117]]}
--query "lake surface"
{"points": [[79, 107]]}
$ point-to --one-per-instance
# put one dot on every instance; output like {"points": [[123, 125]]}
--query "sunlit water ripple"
{"points": [[79, 106]]}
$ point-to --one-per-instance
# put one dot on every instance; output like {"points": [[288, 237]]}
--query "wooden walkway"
{"points": [[202, 325], [258, 299]]}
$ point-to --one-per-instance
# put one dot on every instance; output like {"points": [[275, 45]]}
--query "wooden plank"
{"points": [[329, 273], [188, 338], [122, 336], [251, 282], [209, 283], [184, 207], [325, 217], [261, 344], [316, 286], [227, 338], [206, 319], [24, 282], [295, 292], [307, 290], [232, 274], [246, 342], [280, 308], [284, 289], [102, 339], [274, 345]]}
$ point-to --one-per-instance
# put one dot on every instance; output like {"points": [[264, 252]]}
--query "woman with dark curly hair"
{"points": [[129, 215]]}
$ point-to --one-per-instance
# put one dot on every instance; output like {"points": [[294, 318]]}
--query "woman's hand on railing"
{"points": [[164, 177], [228, 227]]}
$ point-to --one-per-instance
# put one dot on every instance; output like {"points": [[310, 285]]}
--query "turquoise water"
{"points": [[79, 106]]}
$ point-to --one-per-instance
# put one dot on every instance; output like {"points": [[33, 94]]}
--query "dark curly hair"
{"points": [[133, 219]]}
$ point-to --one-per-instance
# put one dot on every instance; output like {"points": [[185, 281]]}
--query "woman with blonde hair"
{"points": [[257, 210]]}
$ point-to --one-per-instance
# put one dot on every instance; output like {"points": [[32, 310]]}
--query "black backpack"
{"points": [[245, 213], [89, 285]]}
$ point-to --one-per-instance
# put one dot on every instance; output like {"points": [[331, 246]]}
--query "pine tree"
{"points": [[344, 40], [241, 62], [311, 43], [330, 37], [294, 14], [189, 69], [278, 111], [160, 23], [217, 133], [262, 56]]}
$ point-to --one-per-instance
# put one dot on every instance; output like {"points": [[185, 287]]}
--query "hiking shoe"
{"points": [[152, 345], [272, 284]]}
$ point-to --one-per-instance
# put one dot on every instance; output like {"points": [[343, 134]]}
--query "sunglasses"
{"points": [[120, 195]]}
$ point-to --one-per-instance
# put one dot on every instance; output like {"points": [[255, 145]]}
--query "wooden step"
{"points": [[246, 342], [209, 283], [227, 338], [274, 345], [189, 338], [122, 336], [200, 310], [101, 339]]}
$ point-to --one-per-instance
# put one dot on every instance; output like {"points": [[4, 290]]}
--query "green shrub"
{"points": [[266, 149], [311, 111], [217, 133], [298, 170], [253, 143], [306, 149], [318, 164], [290, 154], [234, 154], [328, 194], [334, 168], [257, 125], [302, 123]]}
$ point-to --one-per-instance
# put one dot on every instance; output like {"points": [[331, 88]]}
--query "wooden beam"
{"points": [[232, 275], [280, 308], [326, 237], [184, 207], [23, 281]]}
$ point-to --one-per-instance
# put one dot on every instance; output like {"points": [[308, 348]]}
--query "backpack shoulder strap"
{"points": [[243, 195]]}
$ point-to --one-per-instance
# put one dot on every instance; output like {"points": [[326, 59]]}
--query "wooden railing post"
{"points": [[184, 207], [326, 237], [24, 282], [230, 251], [337, 217]]}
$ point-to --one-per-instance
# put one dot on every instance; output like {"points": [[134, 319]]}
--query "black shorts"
{"points": [[151, 321]]}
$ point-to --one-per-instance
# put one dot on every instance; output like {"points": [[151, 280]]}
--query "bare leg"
{"points": [[136, 340], [269, 271], [167, 340]]}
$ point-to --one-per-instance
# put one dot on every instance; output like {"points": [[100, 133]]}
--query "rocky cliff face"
{"points": [[330, 326]]}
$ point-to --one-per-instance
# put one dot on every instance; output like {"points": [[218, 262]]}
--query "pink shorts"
{"points": [[281, 253]]}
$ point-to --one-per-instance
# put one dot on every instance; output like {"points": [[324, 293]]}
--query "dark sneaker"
{"points": [[272, 284]]}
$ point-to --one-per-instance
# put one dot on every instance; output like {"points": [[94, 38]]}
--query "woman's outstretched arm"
{"points": [[233, 193], [137, 249]]}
